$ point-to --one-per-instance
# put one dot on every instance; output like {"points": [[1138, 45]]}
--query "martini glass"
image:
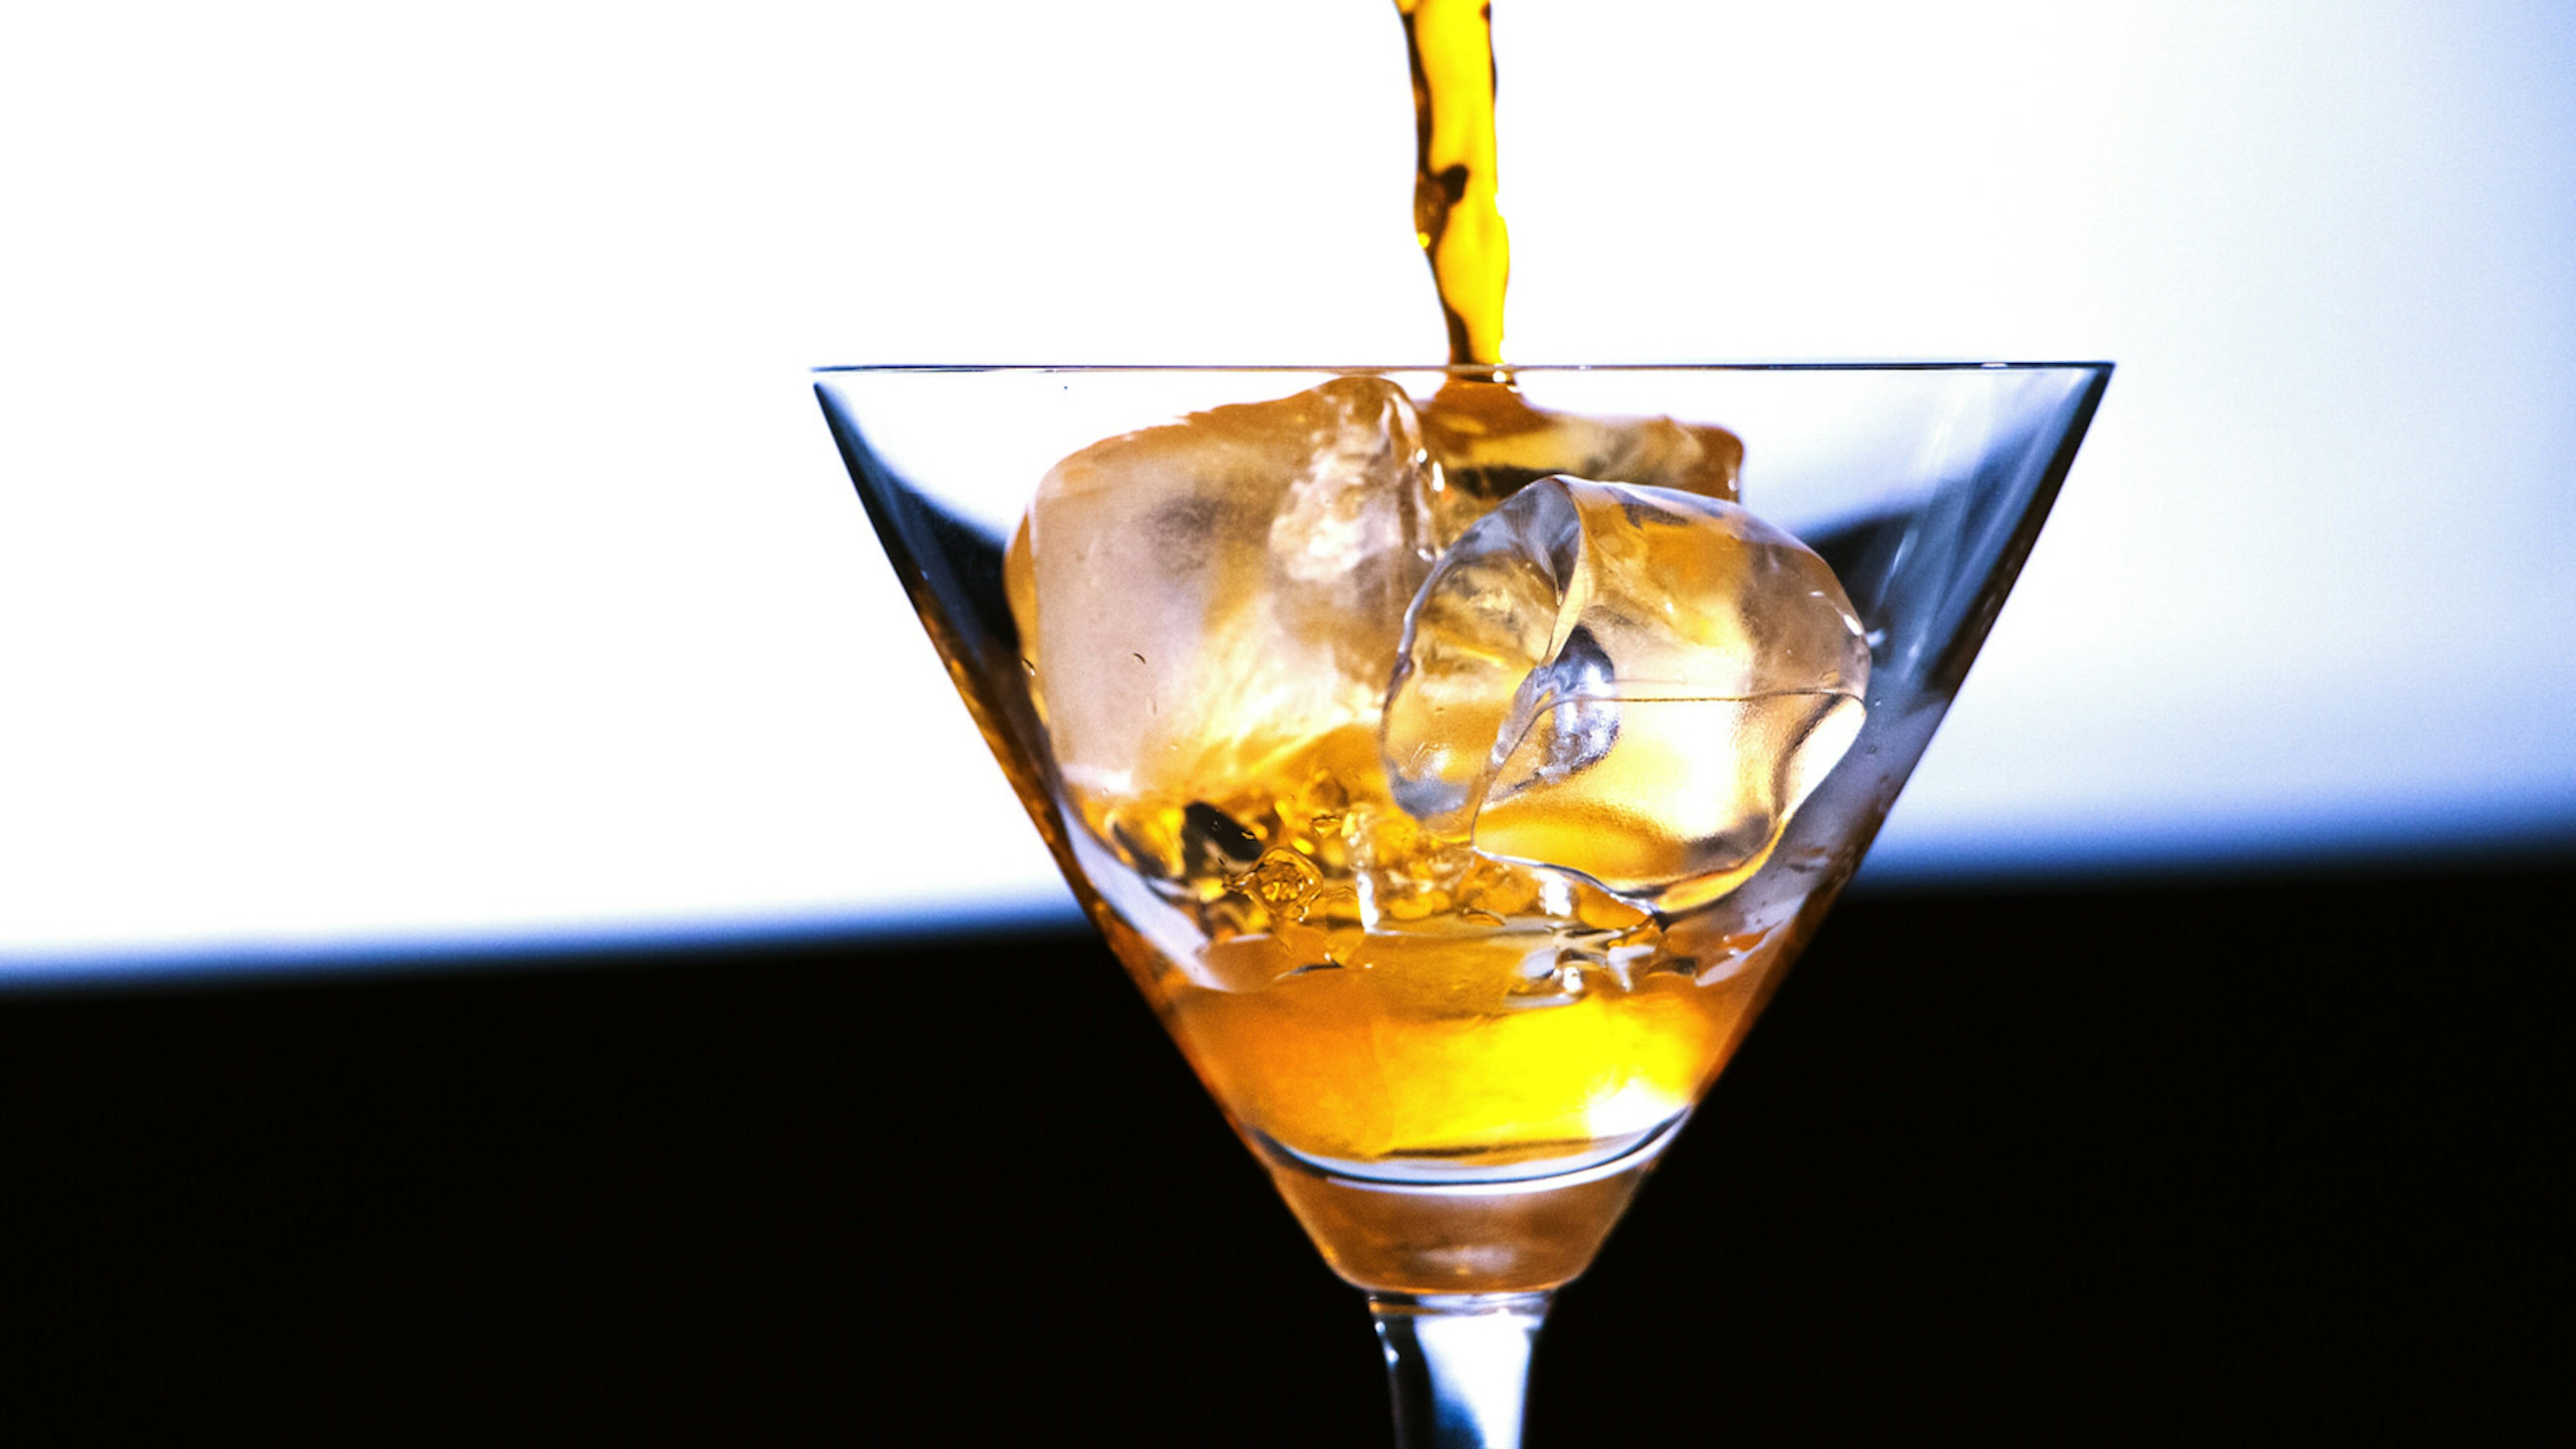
{"points": [[1457, 1041]]}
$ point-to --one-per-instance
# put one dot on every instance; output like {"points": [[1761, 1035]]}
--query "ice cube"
{"points": [[1490, 443], [1634, 683], [1200, 600]]}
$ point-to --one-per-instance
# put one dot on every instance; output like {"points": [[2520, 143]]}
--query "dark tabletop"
{"points": [[2230, 1160]]}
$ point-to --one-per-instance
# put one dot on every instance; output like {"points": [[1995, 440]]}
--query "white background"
{"points": [[415, 525]]}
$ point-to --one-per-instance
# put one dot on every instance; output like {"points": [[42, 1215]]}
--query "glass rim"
{"points": [[1480, 372]]}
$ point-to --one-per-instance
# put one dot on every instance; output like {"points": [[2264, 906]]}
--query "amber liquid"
{"points": [[1457, 1069], [1458, 1089], [1451, 46], [1452, 1044]]}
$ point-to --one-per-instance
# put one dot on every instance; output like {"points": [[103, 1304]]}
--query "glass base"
{"points": [[1410, 1237]]}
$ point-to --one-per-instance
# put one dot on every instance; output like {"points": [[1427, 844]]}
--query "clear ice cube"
{"points": [[1198, 601], [1637, 684]]}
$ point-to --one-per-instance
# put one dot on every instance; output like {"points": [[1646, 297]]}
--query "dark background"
{"points": [[2227, 1160]]}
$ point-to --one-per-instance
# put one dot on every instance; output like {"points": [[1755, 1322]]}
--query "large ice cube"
{"points": [[1198, 601], [1490, 443], [1639, 684]]}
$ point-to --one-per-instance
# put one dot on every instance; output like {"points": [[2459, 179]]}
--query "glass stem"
{"points": [[1458, 1365]]}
